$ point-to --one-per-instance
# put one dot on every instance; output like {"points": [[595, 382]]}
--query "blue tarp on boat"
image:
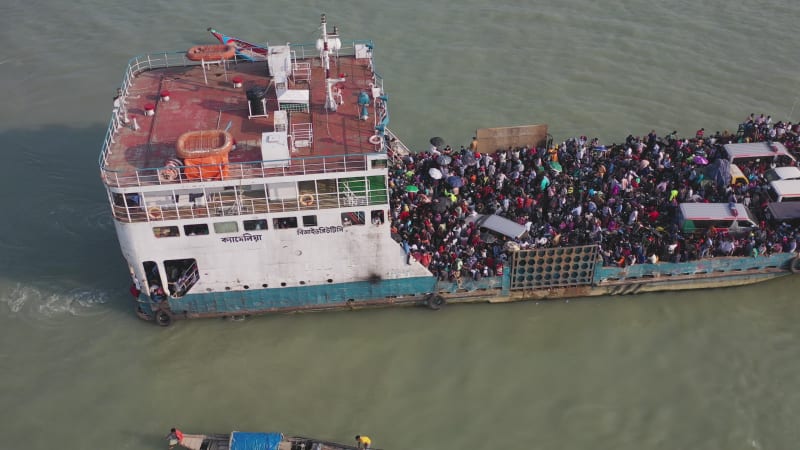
{"points": [[241, 440]]}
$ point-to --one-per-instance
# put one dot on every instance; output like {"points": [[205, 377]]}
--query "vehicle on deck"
{"points": [[784, 191], [734, 219], [782, 173]]}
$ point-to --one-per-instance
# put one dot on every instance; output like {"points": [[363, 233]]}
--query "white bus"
{"points": [[724, 217], [782, 173], [773, 152], [784, 190]]}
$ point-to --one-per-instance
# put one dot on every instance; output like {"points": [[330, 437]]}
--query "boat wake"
{"points": [[46, 303]]}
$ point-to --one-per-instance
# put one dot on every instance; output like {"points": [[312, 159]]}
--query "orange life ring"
{"points": [[154, 213], [307, 200], [211, 52], [375, 139]]}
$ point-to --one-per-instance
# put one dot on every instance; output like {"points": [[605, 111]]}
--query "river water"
{"points": [[713, 369]]}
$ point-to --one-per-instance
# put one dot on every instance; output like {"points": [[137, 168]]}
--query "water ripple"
{"points": [[43, 303]]}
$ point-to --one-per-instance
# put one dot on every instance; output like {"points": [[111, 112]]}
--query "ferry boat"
{"points": [[243, 186]]}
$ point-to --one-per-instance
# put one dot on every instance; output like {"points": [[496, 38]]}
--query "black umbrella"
{"points": [[437, 141], [441, 204]]}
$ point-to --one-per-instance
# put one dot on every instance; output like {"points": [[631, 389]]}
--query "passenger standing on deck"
{"points": [[473, 146], [175, 437], [363, 441]]}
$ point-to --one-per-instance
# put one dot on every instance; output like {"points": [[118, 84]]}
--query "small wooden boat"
{"points": [[203, 143], [246, 50], [211, 52], [239, 440]]}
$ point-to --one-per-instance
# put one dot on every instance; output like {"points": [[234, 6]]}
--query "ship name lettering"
{"points": [[320, 230], [247, 237]]}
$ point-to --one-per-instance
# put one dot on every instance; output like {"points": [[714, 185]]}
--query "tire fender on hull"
{"points": [[435, 302], [794, 264], [164, 318]]}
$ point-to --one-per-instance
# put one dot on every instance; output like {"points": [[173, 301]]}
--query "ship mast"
{"points": [[325, 45]]}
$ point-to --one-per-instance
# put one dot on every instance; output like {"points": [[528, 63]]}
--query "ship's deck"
{"points": [[319, 140]]}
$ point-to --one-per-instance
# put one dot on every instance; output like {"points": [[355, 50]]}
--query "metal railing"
{"points": [[218, 206], [236, 171]]}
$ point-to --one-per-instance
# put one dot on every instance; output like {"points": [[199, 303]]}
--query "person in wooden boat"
{"points": [[363, 441], [174, 438]]}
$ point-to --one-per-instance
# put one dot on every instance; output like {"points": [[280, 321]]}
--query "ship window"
{"points": [[132, 199], [161, 232], [353, 218], [284, 222], [199, 229], [226, 227], [309, 221], [377, 217], [377, 190], [255, 225], [379, 164]]}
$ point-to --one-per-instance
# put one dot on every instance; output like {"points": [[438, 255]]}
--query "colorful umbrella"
{"points": [[412, 188], [455, 181]]}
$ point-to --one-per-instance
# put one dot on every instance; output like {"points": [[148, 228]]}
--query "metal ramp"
{"points": [[553, 267]]}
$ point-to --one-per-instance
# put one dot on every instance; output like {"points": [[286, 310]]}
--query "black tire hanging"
{"points": [[164, 318], [435, 302], [794, 265]]}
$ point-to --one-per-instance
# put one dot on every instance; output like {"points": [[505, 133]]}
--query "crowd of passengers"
{"points": [[623, 198]]}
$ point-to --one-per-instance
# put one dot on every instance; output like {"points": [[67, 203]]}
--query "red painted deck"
{"points": [[135, 155]]}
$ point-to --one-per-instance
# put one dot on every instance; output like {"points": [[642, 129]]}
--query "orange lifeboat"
{"points": [[211, 52], [205, 154], [204, 143]]}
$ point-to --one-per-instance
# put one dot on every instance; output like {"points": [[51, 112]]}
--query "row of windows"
{"points": [[202, 229]]}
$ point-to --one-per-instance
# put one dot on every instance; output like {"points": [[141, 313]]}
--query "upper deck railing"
{"points": [[251, 169], [236, 171]]}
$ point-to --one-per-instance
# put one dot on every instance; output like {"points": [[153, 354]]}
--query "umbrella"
{"points": [[700, 160], [444, 160], [455, 181], [469, 159], [435, 173], [437, 141], [556, 166], [440, 204], [412, 188]]}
